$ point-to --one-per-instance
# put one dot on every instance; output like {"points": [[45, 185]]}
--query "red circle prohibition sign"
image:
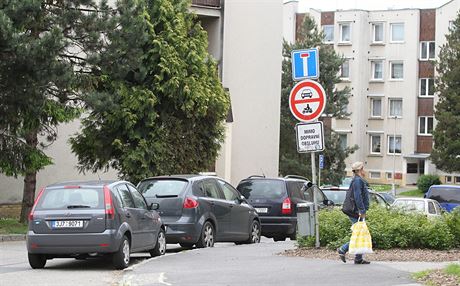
{"points": [[297, 104]]}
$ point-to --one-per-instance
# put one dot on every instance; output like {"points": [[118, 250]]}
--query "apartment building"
{"points": [[245, 38], [390, 72]]}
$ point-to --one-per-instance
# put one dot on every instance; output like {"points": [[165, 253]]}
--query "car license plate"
{"points": [[67, 224], [261, 210]]}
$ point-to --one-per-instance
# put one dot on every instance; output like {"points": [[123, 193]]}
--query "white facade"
{"points": [[245, 38]]}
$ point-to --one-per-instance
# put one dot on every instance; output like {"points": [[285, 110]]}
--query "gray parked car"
{"points": [[200, 210], [88, 219]]}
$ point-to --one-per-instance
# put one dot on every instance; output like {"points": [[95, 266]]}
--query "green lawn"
{"points": [[381, 188], [453, 269], [412, 193], [12, 226]]}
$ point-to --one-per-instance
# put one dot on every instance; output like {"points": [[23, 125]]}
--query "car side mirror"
{"points": [[328, 203], [241, 199], [154, 206]]}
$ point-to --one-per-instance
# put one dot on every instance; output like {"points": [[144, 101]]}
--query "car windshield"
{"points": [[410, 205], [162, 188], [346, 182], [71, 198], [338, 197], [389, 198], [445, 195], [268, 189]]}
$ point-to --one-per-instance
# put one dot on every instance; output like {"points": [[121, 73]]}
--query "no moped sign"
{"points": [[307, 100]]}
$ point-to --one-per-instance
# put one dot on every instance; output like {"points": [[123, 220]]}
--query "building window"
{"points": [[397, 32], [457, 179], [345, 70], [426, 87], [376, 107], [395, 109], [427, 50], [394, 144], [412, 168], [397, 70], [328, 31], [377, 70], [377, 32], [448, 179], [375, 144], [389, 175], [343, 141], [425, 125], [345, 32], [374, 175]]}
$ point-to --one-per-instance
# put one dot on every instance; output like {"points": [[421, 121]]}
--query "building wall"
{"points": [[252, 73], [289, 20], [419, 25], [63, 168]]}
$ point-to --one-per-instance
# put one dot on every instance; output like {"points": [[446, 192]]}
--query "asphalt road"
{"points": [[225, 264]]}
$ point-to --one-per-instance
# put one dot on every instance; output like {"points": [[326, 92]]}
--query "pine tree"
{"points": [[44, 51], [292, 162], [446, 151], [159, 107]]}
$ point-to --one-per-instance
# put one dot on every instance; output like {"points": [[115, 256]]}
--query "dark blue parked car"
{"points": [[200, 210], [448, 196]]}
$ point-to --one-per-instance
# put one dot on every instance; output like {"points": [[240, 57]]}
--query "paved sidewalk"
{"points": [[12, 237]]}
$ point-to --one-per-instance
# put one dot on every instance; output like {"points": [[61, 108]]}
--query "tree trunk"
{"points": [[30, 180]]}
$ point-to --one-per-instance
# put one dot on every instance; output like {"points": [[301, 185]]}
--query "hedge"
{"points": [[390, 229]]}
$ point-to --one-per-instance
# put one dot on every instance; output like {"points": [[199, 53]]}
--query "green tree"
{"points": [[159, 106], [43, 68], [446, 151], [291, 162]]}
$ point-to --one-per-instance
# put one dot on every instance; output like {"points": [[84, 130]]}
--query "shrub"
{"points": [[390, 229], [453, 222], [424, 182]]}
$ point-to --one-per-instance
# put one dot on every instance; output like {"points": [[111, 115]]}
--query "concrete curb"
{"points": [[12, 237]]}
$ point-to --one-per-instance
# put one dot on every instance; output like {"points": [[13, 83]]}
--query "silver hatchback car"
{"points": [[88, 219]]}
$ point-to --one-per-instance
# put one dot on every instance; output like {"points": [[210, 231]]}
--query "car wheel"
{"points": [[206, 237], [254, 234], [279, 238], [186, 245], [160, 245], [37, 261], [120, 259]]}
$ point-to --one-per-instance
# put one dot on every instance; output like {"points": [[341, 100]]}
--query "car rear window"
{"points": [[409, 205], [338, 197], [269, 189], [162, 188], [64, 198], [445, 195]]}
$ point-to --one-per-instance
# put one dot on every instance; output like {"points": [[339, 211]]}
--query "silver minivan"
{"points": [[89, 219]]}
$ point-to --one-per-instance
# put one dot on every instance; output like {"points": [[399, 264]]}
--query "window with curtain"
{"points": [[345, 32], [377, 32], [394, 144], [376, 107], [395, 108], [328, 31], [397, 32], [397, 70], [375, 144], [377, 70]]}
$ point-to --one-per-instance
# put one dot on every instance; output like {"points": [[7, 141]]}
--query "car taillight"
{"points": [[286, 207], [31, 214], [190, 203], [109, 209]]}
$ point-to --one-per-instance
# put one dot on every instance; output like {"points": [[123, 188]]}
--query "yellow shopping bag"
{"points": [[361, 241]]}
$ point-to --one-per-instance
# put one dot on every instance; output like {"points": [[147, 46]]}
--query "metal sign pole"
{"points": [[319, 170], [313, 178]]}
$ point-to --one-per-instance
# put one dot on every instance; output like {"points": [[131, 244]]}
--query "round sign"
{"points": [[307, 100]]}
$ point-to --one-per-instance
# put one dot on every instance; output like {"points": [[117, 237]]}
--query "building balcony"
{"points": [[206, 3]]}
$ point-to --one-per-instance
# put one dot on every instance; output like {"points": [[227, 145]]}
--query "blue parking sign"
{"points": [[305, 64], [321, 161]]}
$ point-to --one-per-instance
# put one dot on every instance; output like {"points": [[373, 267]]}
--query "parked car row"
{"points": [[114, 218]]}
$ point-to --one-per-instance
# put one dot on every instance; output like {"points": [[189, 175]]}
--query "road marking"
{"points": [[162, 278]]}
